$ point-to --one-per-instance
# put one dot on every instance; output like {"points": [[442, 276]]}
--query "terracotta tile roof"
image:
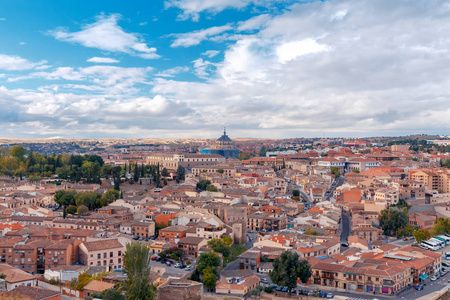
{"points": [[103, 245], [15, 275], [35, 293], [98, 286]]}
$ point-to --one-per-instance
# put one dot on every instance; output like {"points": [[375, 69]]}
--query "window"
{"points": [[120, 253], [110, 254], [99, 256], [104, 255]]}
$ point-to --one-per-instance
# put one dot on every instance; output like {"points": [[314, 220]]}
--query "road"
{"points": [[344, 227]]}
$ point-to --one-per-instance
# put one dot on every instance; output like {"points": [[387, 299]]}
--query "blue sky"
{"points": [[186, 68]]}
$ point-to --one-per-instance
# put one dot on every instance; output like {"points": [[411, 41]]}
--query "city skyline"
{"points": [[186, 68]]}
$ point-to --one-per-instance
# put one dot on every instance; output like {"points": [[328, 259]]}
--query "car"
{"points": [[177, 265], [147, 239], [163, 260], [305, 292], [433, 278], [278, 288], [141, 238], [168, 263], [443, 273], [330, 296], [438, 275], [322, 295], [154, 257], [189, 268], [134, 237], [419, 287], [446, 264], [285, 289], [311, 293], [264, 280]]}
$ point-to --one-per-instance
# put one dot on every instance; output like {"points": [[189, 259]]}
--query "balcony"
{"points": [[389, 283], [328, 276]]}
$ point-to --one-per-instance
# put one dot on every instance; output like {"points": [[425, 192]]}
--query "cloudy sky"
{"points": [[186, 68]]}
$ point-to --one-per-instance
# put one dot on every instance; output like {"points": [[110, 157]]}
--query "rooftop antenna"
{"points": [[224, 130]]}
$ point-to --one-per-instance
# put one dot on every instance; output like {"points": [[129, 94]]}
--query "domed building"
{"points": [[224, 146]]}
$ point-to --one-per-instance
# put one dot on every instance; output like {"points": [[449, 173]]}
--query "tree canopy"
{"points": [[391, 220], [136, 265], [288, 267]]}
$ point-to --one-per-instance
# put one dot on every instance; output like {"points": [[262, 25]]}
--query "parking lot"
{"points": [[171, 270]]}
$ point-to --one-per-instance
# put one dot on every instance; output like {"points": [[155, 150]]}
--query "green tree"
{"points": [[82, 210], [110, 294], [287, 268], [218, 245], [421, 235], [441, 226], [181, 172], [335, 171], [209, 278], [71, 209], [65, 197], [391, 220], [296, 193], [109, 197], [227, 240], [88, 198], [220, 171], [262, 151], [136, 265], [164, 173], [202, 184], [405, 231], [208, 260], [18, 152], [310, 231], [211, 188]]}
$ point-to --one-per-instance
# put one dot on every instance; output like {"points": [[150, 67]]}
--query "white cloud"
{"points": [[292, 50], [103, 60], [142, 23], [106, 34], [211, 53], [22, 43], [196, 37], [192, 8], [172, 72], [2, 19], [254, 23], [15, 63]]}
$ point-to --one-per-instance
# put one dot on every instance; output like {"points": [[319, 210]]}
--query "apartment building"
{"points": [[433, 179], [102, 253], [191, 246], [172, 233], [370, 276]]}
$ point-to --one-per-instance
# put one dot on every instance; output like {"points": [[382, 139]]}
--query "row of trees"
{"points": [[82, 202]]}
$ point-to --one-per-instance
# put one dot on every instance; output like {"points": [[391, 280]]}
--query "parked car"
{"points": [[154, 257], [330, 296], [285, 289], [141, 238], [433, 278], [446, 264], [419, 287], [264, 280], [323, 295], [158, 258], [168, 263], [134, 237], [278, 288], [163, 260]]}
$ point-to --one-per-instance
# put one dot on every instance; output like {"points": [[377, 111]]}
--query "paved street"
{"points": [[345, 227]]}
